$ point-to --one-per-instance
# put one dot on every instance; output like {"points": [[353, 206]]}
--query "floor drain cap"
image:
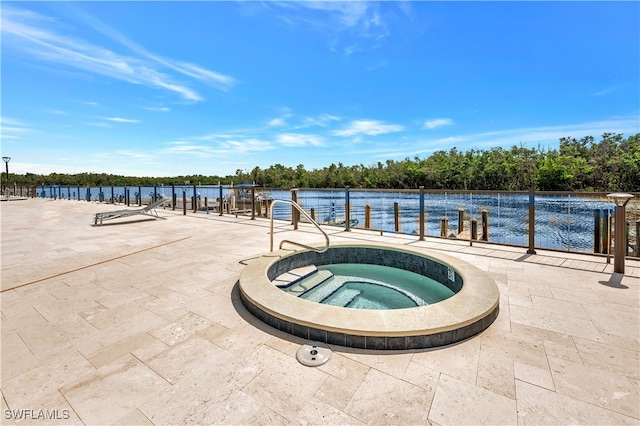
{"points": [[313, 354]]}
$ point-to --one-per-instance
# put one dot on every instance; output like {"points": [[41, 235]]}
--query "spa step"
{"points": [[321, 293], [309, 282], [342, 298], [288, 279]]}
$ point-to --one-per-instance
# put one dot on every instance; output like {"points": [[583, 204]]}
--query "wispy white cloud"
{"points": [[121, 120], [368, 127], [549, 135], [12, 129], [212, 136], [187, 148], [282, 120], [321, 120], [295, 121], [39, 37], [161, 109], [245, 146], [135, 155], [437, 122], [545, 136], [532, 137], [11, 121], [219, 149], [221, 81], [607, 91], [56, 112], [297, 139], [350, 25]]}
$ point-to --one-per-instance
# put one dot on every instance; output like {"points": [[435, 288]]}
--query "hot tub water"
{"points": [[362, 286]]}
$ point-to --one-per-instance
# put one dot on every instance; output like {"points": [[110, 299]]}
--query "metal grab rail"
{"points": [[301, 210]]}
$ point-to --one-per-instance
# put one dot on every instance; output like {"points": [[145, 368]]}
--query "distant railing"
{"points": [[15, 190], [566, 221]]}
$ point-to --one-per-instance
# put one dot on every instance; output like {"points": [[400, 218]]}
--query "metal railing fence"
{"points": [[566, 221]]}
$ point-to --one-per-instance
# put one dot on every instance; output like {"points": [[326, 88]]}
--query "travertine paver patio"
{"points": [[140, 323]]}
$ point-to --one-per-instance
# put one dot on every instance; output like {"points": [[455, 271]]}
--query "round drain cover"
{"points": [[313, 354]]}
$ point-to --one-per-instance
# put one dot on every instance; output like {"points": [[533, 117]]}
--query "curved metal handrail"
{"points": [[301, 210]]}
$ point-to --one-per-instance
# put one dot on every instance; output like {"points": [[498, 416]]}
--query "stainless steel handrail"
{"points": [[301, 210]]}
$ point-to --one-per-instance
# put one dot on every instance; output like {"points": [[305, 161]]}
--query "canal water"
{"points": [[563, 222]]}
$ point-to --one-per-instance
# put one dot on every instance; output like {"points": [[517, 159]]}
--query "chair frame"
{"points": [[149, 210]]}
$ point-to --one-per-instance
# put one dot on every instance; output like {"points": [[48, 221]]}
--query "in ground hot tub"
{"points": [[471, 308]]}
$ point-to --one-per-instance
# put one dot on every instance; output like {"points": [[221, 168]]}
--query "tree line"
{"points": [[610, 164]]}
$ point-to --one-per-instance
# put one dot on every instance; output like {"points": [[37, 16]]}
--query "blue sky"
{"points": [[176, 88]]}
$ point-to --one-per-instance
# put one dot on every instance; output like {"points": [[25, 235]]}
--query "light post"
{"points": [[620, 200], [6, 162]]}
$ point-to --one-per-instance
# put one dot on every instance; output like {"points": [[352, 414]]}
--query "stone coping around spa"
{"points": [[477, 299]]}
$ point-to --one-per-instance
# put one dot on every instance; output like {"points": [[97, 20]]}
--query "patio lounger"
{"points": [[149, 210]]}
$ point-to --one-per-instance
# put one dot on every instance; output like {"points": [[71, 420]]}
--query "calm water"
{"points": [[562, 222], [361, 286]]}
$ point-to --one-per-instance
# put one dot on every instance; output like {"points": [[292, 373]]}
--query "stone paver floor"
{"points": [[139, 322]]}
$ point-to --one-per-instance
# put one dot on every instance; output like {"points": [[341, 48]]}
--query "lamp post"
{"points": [[6, 162], [620, 200]]}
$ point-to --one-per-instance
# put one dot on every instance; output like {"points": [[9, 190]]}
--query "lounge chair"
{"points": [[149, 210]]}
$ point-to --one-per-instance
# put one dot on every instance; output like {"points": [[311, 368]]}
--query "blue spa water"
{"points": [[362, 286]]}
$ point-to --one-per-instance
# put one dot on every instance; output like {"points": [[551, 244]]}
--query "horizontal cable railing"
{"points": [[566, 221]]}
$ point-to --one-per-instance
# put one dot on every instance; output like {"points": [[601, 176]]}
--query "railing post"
{"points": [[444, 226], [184, 201], [253, 202], [606, 231], [474, 229], [195, 200], [367, 216], [460, 220], [596, 231], [620, 200], [173, 197], [638, 238], [347, 210], [294, 212], [220, 203], [396, 217], [626, 238], [532, 222], [619, 249], [421, 215], [484, 217]]}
